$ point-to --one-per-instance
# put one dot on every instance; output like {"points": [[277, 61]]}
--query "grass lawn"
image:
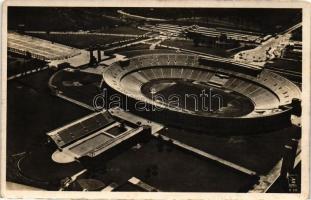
{"points": [[80, 41], [125, 30], [187, 44]]}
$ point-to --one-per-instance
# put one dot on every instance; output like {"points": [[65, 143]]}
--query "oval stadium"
{"points": [[187, 87]]}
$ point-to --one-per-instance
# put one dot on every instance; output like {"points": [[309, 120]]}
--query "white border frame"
{"points": [[306, 6]]}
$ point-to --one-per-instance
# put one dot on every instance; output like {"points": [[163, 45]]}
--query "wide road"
{"points": [[267, 50]]}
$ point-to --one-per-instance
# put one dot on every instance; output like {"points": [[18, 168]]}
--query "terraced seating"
{"points": [[267, 91], [284, 89], [39, 48], [212, 32], [168, 28], [262, 97]]}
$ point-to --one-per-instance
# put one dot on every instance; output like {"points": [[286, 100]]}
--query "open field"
{"points": [[187, 44], [80, 41], [124, 30]]}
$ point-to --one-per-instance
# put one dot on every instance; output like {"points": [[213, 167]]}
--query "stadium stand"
{"points": [[213, 32], [73, 133], [208, 32], [38, 48], [267, 91]]}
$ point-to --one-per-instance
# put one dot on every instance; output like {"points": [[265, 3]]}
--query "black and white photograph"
{"points": [[147, 98]]}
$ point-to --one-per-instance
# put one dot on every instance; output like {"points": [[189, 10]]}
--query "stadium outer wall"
{"points": [[213, 125]]}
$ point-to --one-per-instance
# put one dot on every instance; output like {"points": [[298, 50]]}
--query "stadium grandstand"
{"points": [[216, 32], [41, 49], [266, 94], [165, 28], [176, 30]]}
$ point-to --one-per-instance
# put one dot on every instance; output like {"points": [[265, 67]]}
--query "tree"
{"points": [[223, 37], [196, 42]]}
